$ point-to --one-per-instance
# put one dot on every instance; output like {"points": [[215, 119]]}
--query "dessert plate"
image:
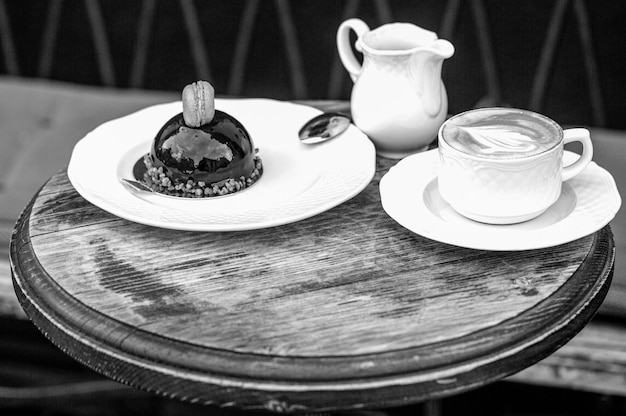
{"points": [[410, 196], [298, 181]]}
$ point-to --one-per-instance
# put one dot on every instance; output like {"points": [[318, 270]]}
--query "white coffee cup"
{"points": [[504, 165]]}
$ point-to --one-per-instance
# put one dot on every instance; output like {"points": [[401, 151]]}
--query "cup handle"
{"points": [[346, 54], [583, 136]]}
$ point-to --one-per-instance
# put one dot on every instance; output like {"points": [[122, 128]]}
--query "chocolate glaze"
{"points": [[210, 153]]}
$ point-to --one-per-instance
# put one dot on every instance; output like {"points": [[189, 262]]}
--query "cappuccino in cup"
{"points": [[504, 165]]}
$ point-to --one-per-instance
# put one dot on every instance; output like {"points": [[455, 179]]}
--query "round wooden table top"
{"points": [[344, 310]]}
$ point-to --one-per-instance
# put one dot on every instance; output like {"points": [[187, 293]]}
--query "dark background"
{"points": [[516, 30]]}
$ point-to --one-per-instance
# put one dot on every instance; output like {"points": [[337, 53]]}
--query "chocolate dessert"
{"points": [[201, 152]]}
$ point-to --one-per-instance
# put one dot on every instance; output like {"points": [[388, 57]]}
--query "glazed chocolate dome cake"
{"points": [[201, 152]]}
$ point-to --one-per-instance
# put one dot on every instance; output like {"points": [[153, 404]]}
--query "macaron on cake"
{"points": [[201, 152]]}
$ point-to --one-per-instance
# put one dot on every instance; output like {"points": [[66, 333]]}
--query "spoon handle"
{"points": [[136, 186]]}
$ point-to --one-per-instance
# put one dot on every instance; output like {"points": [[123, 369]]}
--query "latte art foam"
{"points": [[501, 133]]}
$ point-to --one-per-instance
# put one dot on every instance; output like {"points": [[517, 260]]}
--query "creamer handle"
{"points": [[344, 48]]}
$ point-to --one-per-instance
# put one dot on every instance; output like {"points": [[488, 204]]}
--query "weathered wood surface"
{"points": [[343, 310]]}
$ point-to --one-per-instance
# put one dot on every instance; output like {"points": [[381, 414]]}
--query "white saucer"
{"points": [[298, 181], [410, 196]]}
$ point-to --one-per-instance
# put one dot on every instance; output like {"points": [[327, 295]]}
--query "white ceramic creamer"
{"points": [[398, 98]]}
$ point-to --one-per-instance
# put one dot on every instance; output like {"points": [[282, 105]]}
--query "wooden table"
{"points": [[344, 310]]}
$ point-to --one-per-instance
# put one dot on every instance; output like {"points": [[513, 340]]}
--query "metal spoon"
{"points": [[323, 127], [136, 186]]}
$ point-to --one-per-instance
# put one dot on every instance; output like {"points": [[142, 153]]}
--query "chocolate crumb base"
{"points": [[159, 180]]}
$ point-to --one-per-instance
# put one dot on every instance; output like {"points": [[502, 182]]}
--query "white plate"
{"points": [[410, 195], [298, 181]]}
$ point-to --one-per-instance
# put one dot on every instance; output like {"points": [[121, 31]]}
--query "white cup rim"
{"points": [[444, 144]]}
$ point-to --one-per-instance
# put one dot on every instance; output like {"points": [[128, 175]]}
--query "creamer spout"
{"points": [[443, 48]]}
